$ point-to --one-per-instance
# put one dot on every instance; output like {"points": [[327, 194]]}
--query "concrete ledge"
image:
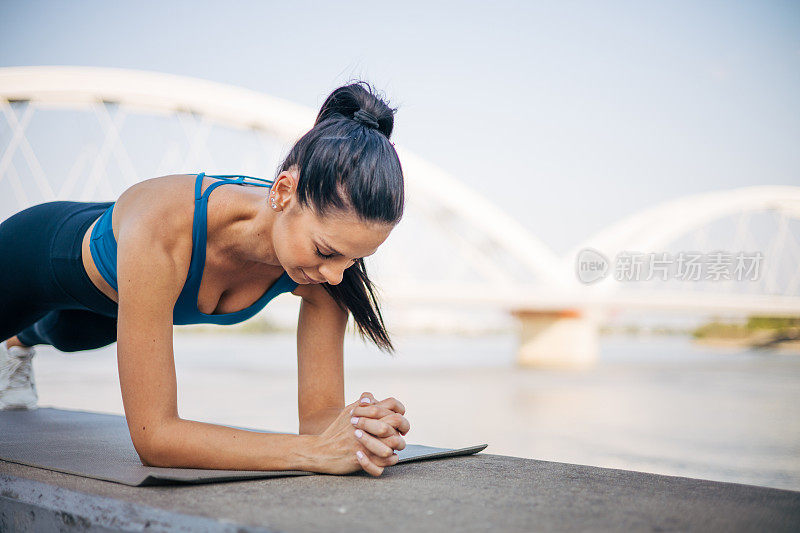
{"points": [[476, 493], [27, 505]]}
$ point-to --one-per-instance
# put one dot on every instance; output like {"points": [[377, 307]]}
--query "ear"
{"points": [[282, 190]]}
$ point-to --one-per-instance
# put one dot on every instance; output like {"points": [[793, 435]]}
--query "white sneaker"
{"points": [[17, 386]]}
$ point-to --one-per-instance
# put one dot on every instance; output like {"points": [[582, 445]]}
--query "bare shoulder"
{"points": [[158, 211], [160, 207], [157, 198]]}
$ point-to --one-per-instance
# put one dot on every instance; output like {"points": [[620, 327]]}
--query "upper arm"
{"points": [[149, 285], [320, 352]]}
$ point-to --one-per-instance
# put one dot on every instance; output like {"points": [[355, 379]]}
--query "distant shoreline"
{"points": [[789, 347], [781, 334], [778, 333]]}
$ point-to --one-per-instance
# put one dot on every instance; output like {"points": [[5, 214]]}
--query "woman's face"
{"points": [[316, 249]]}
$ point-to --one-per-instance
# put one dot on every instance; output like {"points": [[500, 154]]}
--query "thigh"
{"points": [[15, 320], [25, 273], [27, 288], [73, 330]]}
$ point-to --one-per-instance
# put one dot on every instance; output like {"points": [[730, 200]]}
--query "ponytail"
{"points": [[347, 162]]}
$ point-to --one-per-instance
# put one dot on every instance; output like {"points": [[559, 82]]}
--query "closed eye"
{"points": [[323, 255]]}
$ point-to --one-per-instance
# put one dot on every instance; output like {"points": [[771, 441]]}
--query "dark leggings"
{"points": [[46, 297]]}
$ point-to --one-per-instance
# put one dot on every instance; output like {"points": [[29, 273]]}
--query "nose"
{"points": [[333, 272]]}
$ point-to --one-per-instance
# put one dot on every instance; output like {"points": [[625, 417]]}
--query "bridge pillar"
{"points": [[564, 338]]}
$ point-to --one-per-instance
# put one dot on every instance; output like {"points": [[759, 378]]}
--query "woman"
{"points": [[81, 275]]}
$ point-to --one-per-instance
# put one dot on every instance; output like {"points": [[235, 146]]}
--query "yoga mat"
{"points": [[99, 446]]}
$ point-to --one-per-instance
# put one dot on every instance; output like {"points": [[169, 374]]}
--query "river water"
{"points": [[653, 404]]}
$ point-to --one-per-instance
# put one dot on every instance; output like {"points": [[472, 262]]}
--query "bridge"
{"points": [[83, 133]]}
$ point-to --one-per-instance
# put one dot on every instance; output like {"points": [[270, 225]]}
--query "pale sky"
{"points": [[569, 115]]}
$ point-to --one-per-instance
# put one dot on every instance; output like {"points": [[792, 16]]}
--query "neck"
{"points": [[250, 228]]}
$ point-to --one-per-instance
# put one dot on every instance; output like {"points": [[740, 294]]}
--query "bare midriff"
{"points": [[91, 268]]}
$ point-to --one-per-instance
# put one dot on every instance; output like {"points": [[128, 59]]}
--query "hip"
{"points": [[41, 257]]}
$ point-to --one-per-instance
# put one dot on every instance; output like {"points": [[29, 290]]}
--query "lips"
{"points": [[309, 279]]}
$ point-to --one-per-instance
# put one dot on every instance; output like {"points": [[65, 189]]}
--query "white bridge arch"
{"points": [[653, 229]]}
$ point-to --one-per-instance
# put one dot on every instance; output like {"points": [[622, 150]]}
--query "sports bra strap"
{"points": [[198, 184], [200, 222], [239, 180]]}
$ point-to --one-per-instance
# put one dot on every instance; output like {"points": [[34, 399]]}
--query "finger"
{"points": [[361, 397], [381, 430], [393, 459], [399, 422], [383, 462], [393, 404], [367, 398], [373, 444], [395, 442], [377, 428], [367, 465], [371, 411]]}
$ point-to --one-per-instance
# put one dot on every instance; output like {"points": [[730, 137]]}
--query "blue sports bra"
{"points": [[103, 247]]}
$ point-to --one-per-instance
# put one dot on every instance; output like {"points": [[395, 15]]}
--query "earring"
{"points": [[274, 205]]}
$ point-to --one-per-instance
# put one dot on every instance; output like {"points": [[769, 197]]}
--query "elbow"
{"points": [[158, 454], [152, 447], [149, 453], [146, 461]]}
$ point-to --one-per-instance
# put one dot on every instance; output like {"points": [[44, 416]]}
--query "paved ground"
{"points": [[483, 492]]}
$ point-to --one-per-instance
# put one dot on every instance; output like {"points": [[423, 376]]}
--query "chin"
{"points": [[302, 277]]}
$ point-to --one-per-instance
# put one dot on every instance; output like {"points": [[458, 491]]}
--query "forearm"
{"points": [[191, 444], [318, 421]]}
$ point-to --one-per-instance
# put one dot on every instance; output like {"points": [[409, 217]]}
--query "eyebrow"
{"points": [[329, 247]]}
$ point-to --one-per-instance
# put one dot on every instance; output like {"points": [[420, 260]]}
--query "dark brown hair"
{"points": [[346, 162]]}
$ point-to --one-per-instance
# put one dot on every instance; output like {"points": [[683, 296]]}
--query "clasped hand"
{"points": [[365, 436]]}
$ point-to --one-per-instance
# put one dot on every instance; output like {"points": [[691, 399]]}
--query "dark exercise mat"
{"points": [[99, 446]]}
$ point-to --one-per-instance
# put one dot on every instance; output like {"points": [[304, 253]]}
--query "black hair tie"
{"points": [[366, 118]]}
